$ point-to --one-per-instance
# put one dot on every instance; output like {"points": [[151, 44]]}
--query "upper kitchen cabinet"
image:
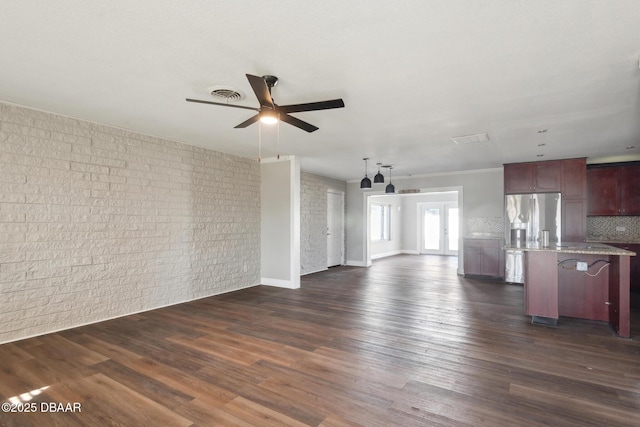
{"points": [[630, 190], [574, 200], [548, 177], [574, 178], [603, 194], [614, 189], [533, 177]]}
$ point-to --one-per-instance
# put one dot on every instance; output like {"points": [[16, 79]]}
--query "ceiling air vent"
{"points": [[471, 139], [225, 93]]}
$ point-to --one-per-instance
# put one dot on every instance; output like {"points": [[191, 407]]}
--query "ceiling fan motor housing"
{"points": [[271, 81]]}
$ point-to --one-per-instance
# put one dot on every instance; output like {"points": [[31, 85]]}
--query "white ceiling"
{"points": [[413, 74]]}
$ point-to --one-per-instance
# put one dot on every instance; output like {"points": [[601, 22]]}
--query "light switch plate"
{"points": [[582, 266]]}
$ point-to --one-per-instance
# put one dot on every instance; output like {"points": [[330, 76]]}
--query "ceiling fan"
{"points": [[270, 110]]}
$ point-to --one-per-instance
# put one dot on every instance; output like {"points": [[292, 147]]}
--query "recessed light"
{"points": [[541, 145], [542, 130]]}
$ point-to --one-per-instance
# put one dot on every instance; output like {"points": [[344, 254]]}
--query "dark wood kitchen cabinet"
{"points": [[630, 190], [483, 257], [614, 189], [574, 178], [574, 220], [533, 177], [634, 270], [564, 176], [574, 200], [603, 191]]}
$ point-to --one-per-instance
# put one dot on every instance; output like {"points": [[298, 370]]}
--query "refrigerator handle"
{"points": [[535, 224], [534, 204]]}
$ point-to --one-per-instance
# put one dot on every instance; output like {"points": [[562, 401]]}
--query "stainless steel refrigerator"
{"points": [[530, 220]]}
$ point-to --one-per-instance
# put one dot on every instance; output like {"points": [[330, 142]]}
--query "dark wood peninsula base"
{"points": [[554, 287]]}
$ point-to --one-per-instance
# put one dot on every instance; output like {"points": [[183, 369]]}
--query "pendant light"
{"points": [[390, 188], [366, 182], [379, 178]]}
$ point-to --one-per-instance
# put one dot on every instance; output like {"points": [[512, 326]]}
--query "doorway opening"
{"points": [[427, 222]]}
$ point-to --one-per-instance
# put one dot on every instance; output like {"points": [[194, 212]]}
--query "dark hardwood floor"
{"points": [[406, 342]]}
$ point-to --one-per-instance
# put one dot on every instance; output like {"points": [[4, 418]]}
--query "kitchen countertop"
{"points": [[487, 236], [574, 248], [620, 240]]}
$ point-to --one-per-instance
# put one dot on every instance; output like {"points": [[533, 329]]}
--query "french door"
{"points": [[438, 226]]}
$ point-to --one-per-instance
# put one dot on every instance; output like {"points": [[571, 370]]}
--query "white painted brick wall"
{"points": [[98, 222], [313, 220]]}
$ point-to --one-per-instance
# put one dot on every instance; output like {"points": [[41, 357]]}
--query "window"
{"points": [[380, 222]]}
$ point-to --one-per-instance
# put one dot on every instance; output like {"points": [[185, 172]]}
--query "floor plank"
{"points": [[405, 342]]}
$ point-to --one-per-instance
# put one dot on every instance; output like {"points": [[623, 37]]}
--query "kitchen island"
{"points": [[581, 280]]}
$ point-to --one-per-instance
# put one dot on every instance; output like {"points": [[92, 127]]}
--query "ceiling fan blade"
{"points": [[224, 105], [248, 122], [312, 106], [260, 88], [298, 123]]}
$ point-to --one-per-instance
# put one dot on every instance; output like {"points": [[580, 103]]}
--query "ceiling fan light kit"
{"points": [[268, 108], [268, 117]]}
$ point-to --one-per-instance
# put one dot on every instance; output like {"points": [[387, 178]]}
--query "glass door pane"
{"points": [[440, 228], [376, 221], [431, 227]]}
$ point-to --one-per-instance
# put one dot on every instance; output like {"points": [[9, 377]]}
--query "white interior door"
{"points": [[335, 227], [439, 228]]}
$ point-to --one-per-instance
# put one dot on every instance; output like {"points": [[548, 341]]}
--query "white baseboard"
{"points": [[410, 252], [357, 263], [315, 271], [386, 254]]}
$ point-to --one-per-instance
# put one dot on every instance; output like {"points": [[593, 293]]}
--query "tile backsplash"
{"points": [[484, 226], [614, 228], [625, 229]]}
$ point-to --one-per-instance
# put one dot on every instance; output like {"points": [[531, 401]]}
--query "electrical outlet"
{"points": [[621, 228], [582, 266]]}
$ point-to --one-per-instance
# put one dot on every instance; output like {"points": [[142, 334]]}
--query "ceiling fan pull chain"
{"points": [[278, 141]]}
